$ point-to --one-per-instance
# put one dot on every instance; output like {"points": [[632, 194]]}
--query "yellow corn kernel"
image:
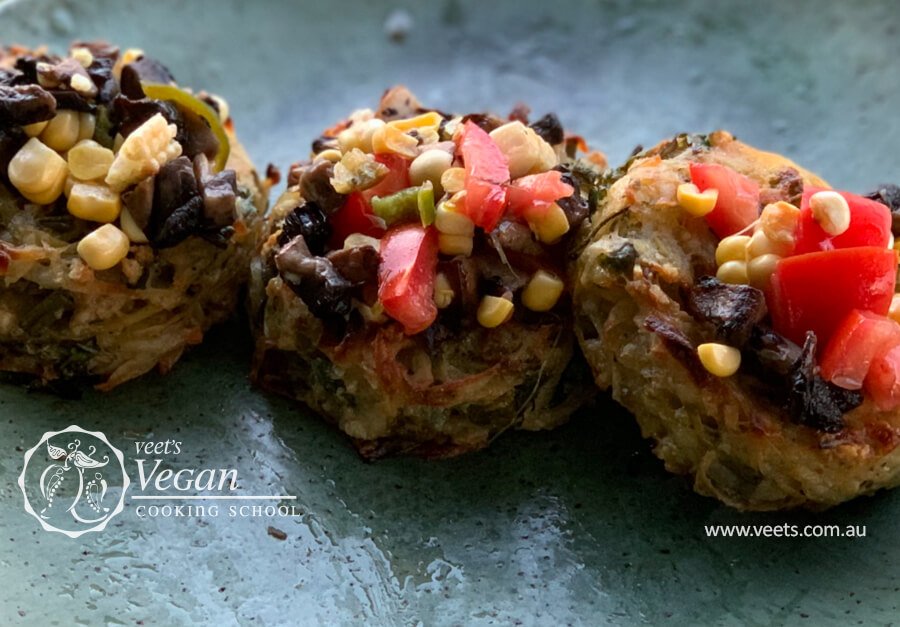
{"points": [[453, 180], [391, 139], [96, 203], [525, 150], [129, 56], [33, 130], [87, 123], [760, 269], [831, 211], [38, 172], [451, 222], [695, 202], [734, 272], [130, 227], [779, 221], [443, 291], [103, 248], [89, 160], [143, 153], [455, 244], [552, 225], [430, 166], [331, 154], [83, 85], [718, 359], [542, 292], [732, 248], [359, 135], [494, 311], [70, 183], [761, 244], [894, 311], [62, 131], [82, 55]]}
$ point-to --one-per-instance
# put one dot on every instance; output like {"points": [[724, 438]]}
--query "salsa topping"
{"points": [[108, 138], [462, 214], [825, 274]]}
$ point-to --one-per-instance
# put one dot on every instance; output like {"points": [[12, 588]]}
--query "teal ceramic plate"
{"points": [[578, 526]]}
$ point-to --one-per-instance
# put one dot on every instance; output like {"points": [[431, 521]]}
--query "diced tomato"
{"points": [[487, 172], [858, 340], [536, 192], [406, 274], [816, 291], [883, 382], [870, 225], [395, 180], [738, 203], [354, 217]]}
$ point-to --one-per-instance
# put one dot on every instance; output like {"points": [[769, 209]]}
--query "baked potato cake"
{"points": [[128, 214], [412, 285], [746, 314]]}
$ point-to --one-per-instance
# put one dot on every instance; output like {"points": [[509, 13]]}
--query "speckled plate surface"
{"points": [[579, 526]]}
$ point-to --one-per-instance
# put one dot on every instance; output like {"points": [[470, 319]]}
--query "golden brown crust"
{"points": [[739, 447]]}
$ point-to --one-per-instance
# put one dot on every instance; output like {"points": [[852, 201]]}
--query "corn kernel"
{"points": [[443, 291], [103, 248], [143, 153], [38, 172], [718, 359], [542, 292], [130, 227], [390, 139], [331, 154], [494, 311], [89, 160], [87, 123], [760, 269], [732, 248], [62, 131], [129, 56], [432, 119], [97, 203], [82, 55], [831, 211], [33, 130], [733, 272], [430, 166], [455, 244], [695, 202], [779, 221], [761, 244], [451, 222], [83, 85], [894, 311], [453, 180], [518, 144], [359, 135], [551, 226]]}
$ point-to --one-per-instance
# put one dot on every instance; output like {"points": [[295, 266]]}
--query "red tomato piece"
{"points": [[870, 225], [738, 202], [354, 217], [395, 180], [861, 338], [536, 192], [816, 291], [406, 274], [883, 381], [487, 172]]}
